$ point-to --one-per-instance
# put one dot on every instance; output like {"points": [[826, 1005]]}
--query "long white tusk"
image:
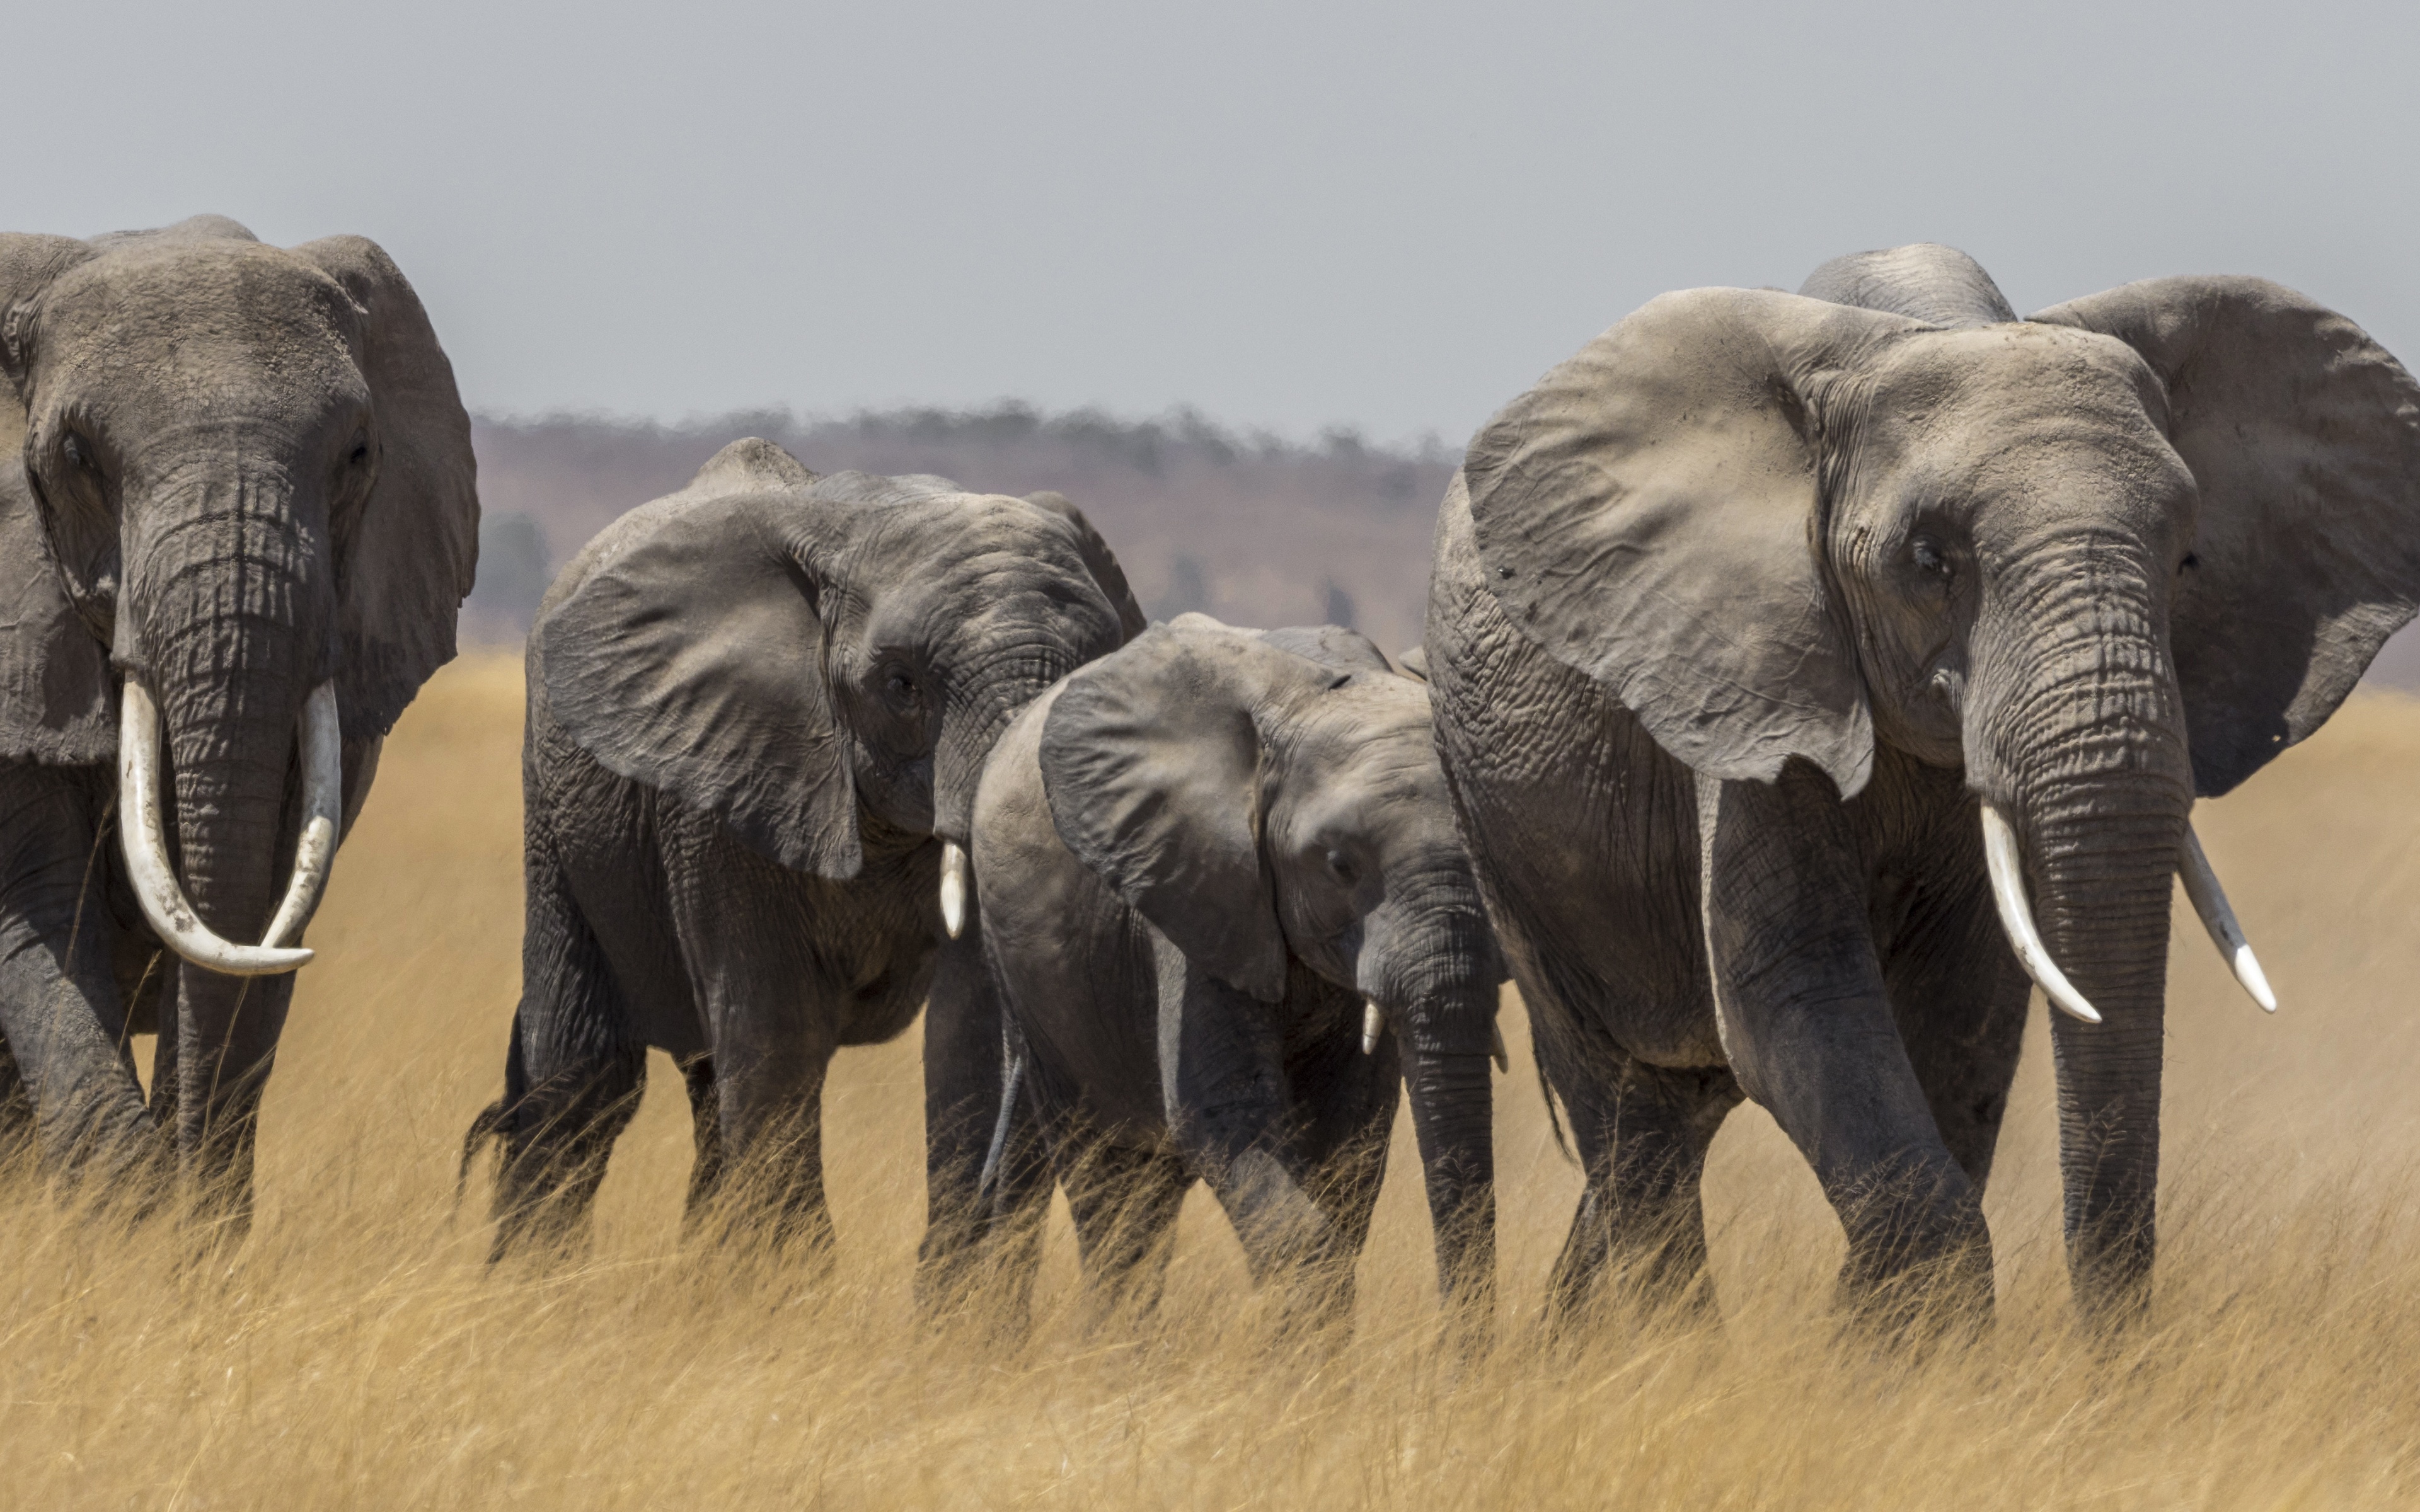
{"points": [[954, 887], [156, 889], [2007, 870], [2210, 902], [323, 812], [1373, 1023], [1495, 1047]]}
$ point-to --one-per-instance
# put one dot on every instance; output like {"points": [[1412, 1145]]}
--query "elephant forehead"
{"points": [[199, 318], [1996, 374], [1364, 741]]}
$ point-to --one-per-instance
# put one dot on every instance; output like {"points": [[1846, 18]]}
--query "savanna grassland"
{"points": [[355, 1352]]}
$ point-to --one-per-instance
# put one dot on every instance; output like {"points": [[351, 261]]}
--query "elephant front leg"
{"points": [[1807, 1025], [974, 1230], [769, 1092], [70, 1079], [1223, 1081]]}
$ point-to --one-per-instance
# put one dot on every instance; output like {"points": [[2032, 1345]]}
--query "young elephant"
{"points": [[757, 709], [1227, 911]]}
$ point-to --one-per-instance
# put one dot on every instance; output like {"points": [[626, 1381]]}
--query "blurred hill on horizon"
{"points": [[1252, 528]]}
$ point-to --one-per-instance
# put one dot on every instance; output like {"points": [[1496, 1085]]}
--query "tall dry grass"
{"points": [[356, 1353]]}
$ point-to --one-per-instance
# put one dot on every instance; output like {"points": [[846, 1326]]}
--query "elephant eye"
{"points": [[360, 453], [900, 685], [79, 454], [1341, 866], [1927, 553]]}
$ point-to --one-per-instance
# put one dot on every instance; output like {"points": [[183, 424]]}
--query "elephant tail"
{"points": [[493, 1123], [1547, 1095]]}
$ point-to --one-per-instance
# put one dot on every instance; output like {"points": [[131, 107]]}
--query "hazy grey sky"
{"points": [[1289, 214]]}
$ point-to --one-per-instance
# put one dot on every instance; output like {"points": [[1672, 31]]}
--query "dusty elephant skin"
{"points": [[757, 710], [1749, 621], [1230, 916], [239, 502]]}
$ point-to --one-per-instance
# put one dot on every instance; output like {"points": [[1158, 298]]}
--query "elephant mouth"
{"points": [[165, 907], [2004, 857], [1373, 1024]]}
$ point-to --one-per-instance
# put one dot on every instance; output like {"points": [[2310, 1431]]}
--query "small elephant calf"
{"points": [[1227, 914]]}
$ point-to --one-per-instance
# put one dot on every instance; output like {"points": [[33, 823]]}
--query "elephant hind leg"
{"points": [[1643, 1133], [1124, 1204], [572, 1076], [16, 1108]]}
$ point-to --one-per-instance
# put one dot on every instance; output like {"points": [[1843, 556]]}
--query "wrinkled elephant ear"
{"points": [[685, 650], [27, 265], [1099, 561], [1646, 513], [411, 556], [1151, 760], [2303, 435], [57, 703]]}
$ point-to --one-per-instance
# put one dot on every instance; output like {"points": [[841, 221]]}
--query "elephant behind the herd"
{"points": [[243, 508], [1781, 644]]}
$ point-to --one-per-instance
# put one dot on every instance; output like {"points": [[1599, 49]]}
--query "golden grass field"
{"points": [[356, 1353]]}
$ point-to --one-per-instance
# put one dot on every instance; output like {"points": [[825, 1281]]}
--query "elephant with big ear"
{"points": [[757, 710], [1231, 919], [238, 517], [1814, 670]]}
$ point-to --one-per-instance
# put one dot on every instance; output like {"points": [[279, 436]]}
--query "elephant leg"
{"points": [[16, 1106], [572, 1075], [1224, 1079], [1806, 1022], [61, 1018], [970, 1230], [706, 1169], [1643, 1132], [1960, 997], [1343, 1103], [770, 1099], [1123, 1204]]}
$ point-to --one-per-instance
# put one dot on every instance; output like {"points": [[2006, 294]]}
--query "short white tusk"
{"points": [[2007, 870], [156, 889], [2210, 902], [1373, 1023], [1495, 1047], [323, 812], [954, 887]]}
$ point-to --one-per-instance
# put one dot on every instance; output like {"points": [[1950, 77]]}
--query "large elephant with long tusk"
{"points": [[237, 517], [1812, 670], [757, 710]]}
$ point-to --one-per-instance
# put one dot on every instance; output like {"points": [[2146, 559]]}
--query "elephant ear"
{"points": [[27, 265], [56, 702], [1649, 513], [2303, 435], [1099, 561], [686, 652], [412, 554], [1151, 760]]}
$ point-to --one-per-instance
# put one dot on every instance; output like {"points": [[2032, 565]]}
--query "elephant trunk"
{"points": [[2086, 758], [229, 609], [1428, 963], [1003, 673]]}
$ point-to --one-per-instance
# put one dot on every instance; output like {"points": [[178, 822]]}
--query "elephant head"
{"points": [[823, 663], [2104, 560], [1267, 799]]}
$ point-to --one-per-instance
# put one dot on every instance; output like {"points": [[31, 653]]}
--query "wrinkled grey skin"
{"points": [[238, 470], [756, 708], [1198, 857], [1736, 616]]}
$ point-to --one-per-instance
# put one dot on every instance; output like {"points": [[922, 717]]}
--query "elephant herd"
{"points": [[1806, 679]]}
